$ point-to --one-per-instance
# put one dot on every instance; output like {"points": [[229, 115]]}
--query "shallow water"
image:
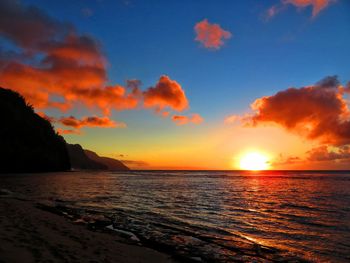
{"points": [[306, 213]]}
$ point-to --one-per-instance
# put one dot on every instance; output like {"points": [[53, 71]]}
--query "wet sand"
{"points": [[29, 234]]}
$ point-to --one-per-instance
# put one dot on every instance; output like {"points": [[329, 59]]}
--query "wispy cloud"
{"points": [[182, 119], [232, 119], [77, 124], [135, 163], [92, 121], [316, 5], [68, 131]]}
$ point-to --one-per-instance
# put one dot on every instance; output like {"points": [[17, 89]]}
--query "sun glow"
{"points": [[254, 161]]}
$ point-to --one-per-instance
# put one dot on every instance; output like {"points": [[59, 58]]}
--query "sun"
{"points": [[254, 161]]}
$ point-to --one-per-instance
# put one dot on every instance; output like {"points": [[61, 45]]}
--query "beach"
{"points": [[30, 234], [149, 216]]}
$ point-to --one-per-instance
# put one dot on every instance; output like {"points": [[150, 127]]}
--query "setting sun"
{"points": [[254, 161], [221, 126]]}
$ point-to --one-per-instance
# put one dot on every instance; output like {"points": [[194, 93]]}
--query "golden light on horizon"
{"points": [[254, 161]]}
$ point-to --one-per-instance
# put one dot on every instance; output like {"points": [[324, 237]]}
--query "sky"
{"points": [[187, 84]]}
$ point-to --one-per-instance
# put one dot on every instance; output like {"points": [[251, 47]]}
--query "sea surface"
{"points": [[212, 212]]}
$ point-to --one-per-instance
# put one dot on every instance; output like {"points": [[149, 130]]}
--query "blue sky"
{"points": [[146, 39]]}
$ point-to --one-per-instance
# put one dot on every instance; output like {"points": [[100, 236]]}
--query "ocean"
{"points": [[212, 215]]}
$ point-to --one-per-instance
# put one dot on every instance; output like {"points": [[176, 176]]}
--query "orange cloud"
{"points": [[288, 160], [210, 35], [317, 5], [69, 77], [55, 67], [182, 120], [166, 93], [317, 112], [71, 67], [68, 131], [93, 121]]}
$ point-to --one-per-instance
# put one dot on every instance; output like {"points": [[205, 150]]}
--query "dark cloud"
{"points": [[329, 82], [28, 27], [322, 153]]}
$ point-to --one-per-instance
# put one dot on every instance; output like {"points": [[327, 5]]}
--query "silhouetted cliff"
{"points": [[80, 160], [89, 160], [112, 164], [28, 142]]}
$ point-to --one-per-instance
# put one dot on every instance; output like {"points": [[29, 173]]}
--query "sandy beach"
{"points": [[29, 234]]}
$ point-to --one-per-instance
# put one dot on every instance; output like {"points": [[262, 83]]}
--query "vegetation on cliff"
{"points": [[28, 142]]}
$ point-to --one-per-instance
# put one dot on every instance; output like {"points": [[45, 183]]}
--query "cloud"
{"points": [[317, 112], [134, 163], [28, 27], [321, 153], [77, 124], [211, 36], [317, 6], [182, 120], [273, 11], [318, 154], [68, 131], [232, 119], [166, 93], [93, 121], [286, 160], [56, 62], [53, 66], [346, 89]]}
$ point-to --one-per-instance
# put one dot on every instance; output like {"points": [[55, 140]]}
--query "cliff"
{"points": [[80, 161], [112, 164], [28, 142]]}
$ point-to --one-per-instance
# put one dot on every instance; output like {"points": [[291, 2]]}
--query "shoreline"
{"points": [[30, 234], [53, 231]]}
